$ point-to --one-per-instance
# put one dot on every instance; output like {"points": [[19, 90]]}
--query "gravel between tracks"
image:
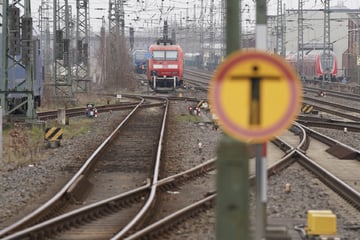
{"points": [[23, 188]]}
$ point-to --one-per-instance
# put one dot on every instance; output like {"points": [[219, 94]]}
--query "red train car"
{"points": [[315, 65], [166, 66]]}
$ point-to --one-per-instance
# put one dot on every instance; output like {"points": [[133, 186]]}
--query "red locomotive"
{"points": [[315, 65], [165, 66]]}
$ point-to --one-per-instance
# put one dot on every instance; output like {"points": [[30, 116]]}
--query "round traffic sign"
{"points": [[255, 95]]}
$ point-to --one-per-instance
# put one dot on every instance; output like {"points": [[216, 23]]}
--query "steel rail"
{"points": [[27, 219], [294, 154], [106, 205], [154, 182]]}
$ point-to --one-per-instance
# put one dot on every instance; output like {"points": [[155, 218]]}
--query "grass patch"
{"points": [[24, 145], [76, 128], [21, 145], [187, 118]]}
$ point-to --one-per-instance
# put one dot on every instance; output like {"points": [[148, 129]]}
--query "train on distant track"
{"points": [[165, 65], [316, 67], [193, 60], [140, 60]]}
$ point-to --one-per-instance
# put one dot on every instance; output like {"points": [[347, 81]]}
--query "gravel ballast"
{"points": [[23, 188]]}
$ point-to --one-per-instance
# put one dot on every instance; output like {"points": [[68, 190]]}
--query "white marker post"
{"points": [[261, 174]]}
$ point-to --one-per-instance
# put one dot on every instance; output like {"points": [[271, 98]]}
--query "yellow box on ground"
{"points": [[321, 222]]}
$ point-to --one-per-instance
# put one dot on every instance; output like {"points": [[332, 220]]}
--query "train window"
{"points": [[171, 55], [326, 61], [140, 56], [158, 55]]}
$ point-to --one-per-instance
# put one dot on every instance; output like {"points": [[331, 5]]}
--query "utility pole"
{"points": [[122, 17], [358, 55], [116, 17], [357, 62], [202, 33], [283, 46], [279, 28], [44, 26], [194, 27], [116, 28], [212, 36], [223, 27], [103, 51], [300, 55], [82, 79], [325, 60], [15, 45], [62, 77]]}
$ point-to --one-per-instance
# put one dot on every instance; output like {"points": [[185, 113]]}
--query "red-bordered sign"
{"points": [[255, 95]]}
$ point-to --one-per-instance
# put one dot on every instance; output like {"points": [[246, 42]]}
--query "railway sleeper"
{"points": [[78, 191], [342, 152]]}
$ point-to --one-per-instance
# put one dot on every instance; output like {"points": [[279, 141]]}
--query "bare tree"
{"points": [[118, 67]]}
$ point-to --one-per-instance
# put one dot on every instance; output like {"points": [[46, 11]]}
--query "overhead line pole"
{"points": [[326, 51], [279, 28], [300, 54], [202, 33], [283, 35], [44, 25], [212, 36], [82, 79], [12, 43], [62, 79]]}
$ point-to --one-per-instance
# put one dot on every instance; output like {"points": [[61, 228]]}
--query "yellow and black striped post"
{"points": [[306, 108], [53, 134]]}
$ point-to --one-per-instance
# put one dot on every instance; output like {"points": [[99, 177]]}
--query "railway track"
{"points": [[130, 103], [164, 227], [86, 216], [108, 170], [144, 228], [100, 175]]}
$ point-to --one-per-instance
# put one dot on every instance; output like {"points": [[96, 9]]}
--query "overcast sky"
{"points": [[153, 10]]}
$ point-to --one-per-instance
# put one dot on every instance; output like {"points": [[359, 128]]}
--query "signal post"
{"points": [[243, 91]]}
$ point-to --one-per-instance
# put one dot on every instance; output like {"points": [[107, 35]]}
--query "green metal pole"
{"points": [[29, 72], [357, 89], [232, 180], [4, 72], [232, 26], [1, 136], [232, 202]]}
